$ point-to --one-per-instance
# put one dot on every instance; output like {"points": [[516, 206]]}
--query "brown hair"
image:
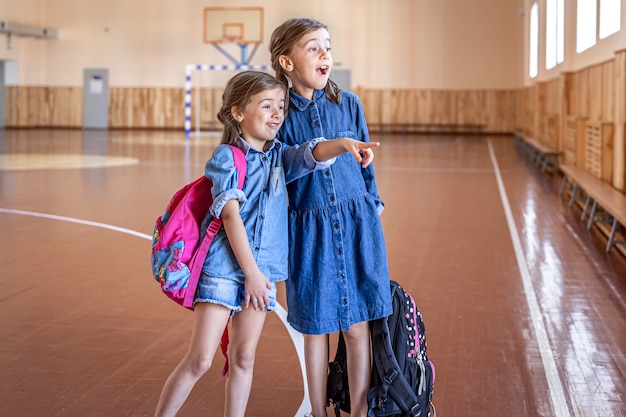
{"points": [[285, 37], [238, 92]]}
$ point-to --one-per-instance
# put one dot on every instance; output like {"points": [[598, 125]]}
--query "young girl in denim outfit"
{"points": [[338, 277], [249, 254]]}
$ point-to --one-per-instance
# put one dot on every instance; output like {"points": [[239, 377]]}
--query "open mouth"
{"points": [[324, 69]]}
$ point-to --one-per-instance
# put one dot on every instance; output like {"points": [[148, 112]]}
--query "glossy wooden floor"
{"points": [[525, 312]]}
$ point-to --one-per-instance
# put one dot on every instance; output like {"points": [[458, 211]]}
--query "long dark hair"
{"points": [[285, 37], [238, 92]]}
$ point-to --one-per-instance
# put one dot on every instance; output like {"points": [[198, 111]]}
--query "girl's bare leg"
{"points": [[209, 321], [316, 361], [247, 326], [359, 366]]}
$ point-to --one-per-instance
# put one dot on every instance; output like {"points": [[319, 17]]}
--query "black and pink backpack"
{"points": [[403, 377]]}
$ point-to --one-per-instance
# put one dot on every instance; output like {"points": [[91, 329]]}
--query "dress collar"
{"points": [[246, 148], [302, 103]]}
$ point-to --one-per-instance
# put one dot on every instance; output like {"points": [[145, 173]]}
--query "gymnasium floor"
{"points": [[525, 312]]}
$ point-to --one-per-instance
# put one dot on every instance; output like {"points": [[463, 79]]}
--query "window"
{"points": [[534, 41], [586, 19], [610, 12], [588, 25], [555, 33]]}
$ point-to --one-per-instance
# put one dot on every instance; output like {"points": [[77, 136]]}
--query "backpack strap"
{"points": [[338, 390], [203, 249], [394, 382], [214, 227]]}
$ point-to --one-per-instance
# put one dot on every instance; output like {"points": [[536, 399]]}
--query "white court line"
{"points": [[557, 393], [296, 338]]}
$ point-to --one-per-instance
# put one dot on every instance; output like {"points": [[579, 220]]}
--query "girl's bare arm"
{"points": [[256, 284], [362, 151]]}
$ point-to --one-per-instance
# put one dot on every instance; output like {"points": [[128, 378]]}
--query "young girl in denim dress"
{"points": [[338, 277], [249, 254]]}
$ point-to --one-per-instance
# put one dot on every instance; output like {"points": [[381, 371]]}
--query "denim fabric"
{"points": [[338, 273], [263, 206], [227, 293]]}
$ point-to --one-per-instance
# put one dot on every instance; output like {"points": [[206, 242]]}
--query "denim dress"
{"points": [[338, 273], [263, 205]]}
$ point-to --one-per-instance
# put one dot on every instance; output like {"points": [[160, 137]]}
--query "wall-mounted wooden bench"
{"points": [[602, 202], [542, 155]]}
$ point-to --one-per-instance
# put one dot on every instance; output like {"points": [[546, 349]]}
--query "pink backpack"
{"points": [[177, 252]]}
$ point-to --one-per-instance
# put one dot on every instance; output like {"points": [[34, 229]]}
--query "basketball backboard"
{"points": [[243, 25]]}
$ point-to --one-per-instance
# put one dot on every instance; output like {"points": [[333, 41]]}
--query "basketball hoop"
{"points": [[242, 26]]}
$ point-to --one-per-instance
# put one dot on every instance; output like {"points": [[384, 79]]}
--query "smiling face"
{"points": [[261, 117], [309, 63]]}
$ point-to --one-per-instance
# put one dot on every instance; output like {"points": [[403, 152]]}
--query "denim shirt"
{"points": [[316, 118], [263, 204]]}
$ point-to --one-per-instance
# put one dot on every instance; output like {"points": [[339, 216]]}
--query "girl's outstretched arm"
{"points": [[362, 151], [256, 284]]}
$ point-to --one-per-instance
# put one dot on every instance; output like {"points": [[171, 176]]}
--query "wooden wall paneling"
{"points": [[120, 110], [33, 107], [619, 109], [517, 104], [530, 94], [595, 88], [470, 105], [564, 109], [173, 105], [387, 107], [410, 104], [542, 128], [581, 144], [569, 149], [63, 106], [395, 111], [167, 107], [577, 127], [498, 111], [606, 130], [552, 97], [151, 108], [47, 97], [593, 149], [139, 103], [398, 111], [210, 104], [540, 110], [443, 107], [599, 150], [371, 102], [581, 102], [115, 109], [608, 91], [424, 108], [552, 131], [147, 107], [12, 106]]}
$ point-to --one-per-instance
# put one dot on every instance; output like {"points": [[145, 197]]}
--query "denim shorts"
{"points": [[226, 292]]}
